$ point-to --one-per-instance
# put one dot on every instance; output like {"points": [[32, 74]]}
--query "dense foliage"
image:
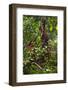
{"points": [[39, 44]]}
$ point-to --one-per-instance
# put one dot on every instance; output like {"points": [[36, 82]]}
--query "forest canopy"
{"points": [[39, 44]]}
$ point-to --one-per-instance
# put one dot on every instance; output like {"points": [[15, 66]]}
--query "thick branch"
{"points": [[38, 65]]}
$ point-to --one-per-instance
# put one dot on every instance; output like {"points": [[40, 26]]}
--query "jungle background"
{"points": [[39, 44]]}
